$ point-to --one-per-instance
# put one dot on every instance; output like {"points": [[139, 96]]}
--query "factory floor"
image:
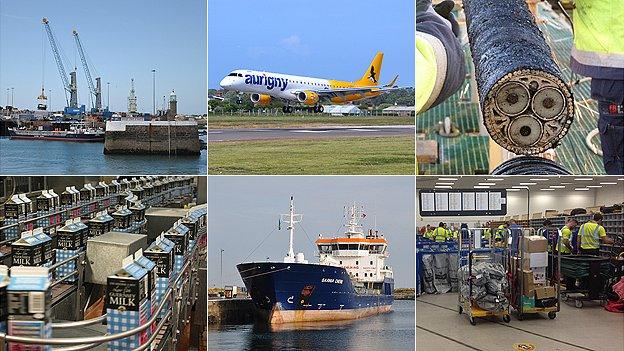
{"points": [[440, 327]]}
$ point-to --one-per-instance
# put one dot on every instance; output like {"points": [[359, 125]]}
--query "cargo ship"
{"points": [[350, 280], [77, 132]]}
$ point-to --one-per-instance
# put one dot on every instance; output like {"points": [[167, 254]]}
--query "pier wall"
{"points": [[230, 311], [158, 137]]}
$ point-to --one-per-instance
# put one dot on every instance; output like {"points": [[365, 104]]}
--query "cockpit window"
{"points": [[240, 75]]}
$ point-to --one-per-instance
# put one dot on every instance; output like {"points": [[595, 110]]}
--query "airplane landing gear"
{"points": [[287, 109], [239, 101], [318, 109]]}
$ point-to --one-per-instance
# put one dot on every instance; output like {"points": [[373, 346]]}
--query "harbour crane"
{"points": [[69, 85], [96, 89]]}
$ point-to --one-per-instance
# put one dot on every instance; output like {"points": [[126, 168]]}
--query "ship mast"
{"points": [[291, 218]]}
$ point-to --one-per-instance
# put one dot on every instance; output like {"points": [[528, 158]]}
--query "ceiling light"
{"points": [[445, 183], [487, 183], [528, 183], [620, 179], [481, 187], [494, 179], [443, 187], [557, 186], [581, 179], [594, 186], [581, 189], [453, 179], [519, 187], [565, 183], [608, 183], [547, 189], [539, 179], [513, 189]]}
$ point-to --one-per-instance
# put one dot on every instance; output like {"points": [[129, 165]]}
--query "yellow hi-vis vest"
{"points": [[500, 232], [439, 234], [599, 33]]}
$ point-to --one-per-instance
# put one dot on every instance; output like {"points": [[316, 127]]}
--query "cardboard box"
{"points": [[527, 282], [544, 292], [539, 275], [538, 259], [534, 243], [517, 265]]}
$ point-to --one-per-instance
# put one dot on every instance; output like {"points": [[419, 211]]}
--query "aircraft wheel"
{"points": [[320, 108], [289, 109], [239, 101], [284, 109]]}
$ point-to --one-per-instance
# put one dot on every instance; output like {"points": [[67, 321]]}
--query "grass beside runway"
{"points": [[377, 155], [294, 121]]}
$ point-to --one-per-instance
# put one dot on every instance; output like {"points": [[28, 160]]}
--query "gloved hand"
{"points": [[444, 9]]}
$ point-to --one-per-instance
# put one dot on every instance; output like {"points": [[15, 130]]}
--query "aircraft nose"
{"points": [[225, 83]]}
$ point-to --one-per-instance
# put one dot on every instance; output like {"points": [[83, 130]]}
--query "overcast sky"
{"points": [[244, 210]]}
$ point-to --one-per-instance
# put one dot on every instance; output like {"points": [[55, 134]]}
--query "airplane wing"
{"points": [[329, 93]]}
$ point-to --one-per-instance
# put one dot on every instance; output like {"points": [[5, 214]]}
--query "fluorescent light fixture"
{"points": [[608, 183], [557, 186], [565, 183], [445, 183], [481, 187], [447, 179], [487, 183], [513, 189], [594, 186], [581, 179], [620, 179], [538, 179], [520, 187], [494, 179], [581, 189], [528, 183], [547, 189], [443, 187]]}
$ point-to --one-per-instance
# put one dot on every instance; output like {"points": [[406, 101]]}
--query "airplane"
{"points": [[265, 86]]}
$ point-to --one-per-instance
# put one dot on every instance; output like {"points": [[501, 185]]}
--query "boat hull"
{"points": [[295, 292], [82, 138]]}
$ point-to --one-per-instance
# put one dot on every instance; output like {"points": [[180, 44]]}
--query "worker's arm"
{"points": [[440, 69], [603, 236], [565, 238]]}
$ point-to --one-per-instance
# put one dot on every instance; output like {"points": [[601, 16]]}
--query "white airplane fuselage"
{"points": [[277, 85]]}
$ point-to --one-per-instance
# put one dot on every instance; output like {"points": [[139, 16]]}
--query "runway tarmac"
{"points": [[216, 135]]}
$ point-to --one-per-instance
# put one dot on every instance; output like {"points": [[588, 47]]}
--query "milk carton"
{"points": [[27, 251], [150, 267], [13, 214], [69, 244], [127, 305], [29, 303], [161, 253]]}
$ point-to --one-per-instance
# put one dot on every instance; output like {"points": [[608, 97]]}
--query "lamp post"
{"points": [[153, 92], [108, 98], [222, 268]]}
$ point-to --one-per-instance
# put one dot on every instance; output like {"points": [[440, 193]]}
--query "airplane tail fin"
{"points": [[392, 83], [371, 76]]}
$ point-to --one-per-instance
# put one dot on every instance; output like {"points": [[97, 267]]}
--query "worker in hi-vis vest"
{"points": [[499, 235], [439, 234], [429, 232], [566, 237], [591, 234], [440, 68], [598, 52]]}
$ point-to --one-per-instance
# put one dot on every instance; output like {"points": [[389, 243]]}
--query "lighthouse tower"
{"points": [[173, 104]]}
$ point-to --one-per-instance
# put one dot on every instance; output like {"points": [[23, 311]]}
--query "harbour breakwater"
{"points": [[152, 137]]}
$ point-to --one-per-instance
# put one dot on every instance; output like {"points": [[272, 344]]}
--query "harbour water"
{"points": [[34, 157], [390, 331]]}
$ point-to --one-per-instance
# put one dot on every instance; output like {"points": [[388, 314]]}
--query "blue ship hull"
{"points": [[297, 292]]}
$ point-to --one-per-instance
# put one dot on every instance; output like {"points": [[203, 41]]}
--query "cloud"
{"points": [[293, 44]]}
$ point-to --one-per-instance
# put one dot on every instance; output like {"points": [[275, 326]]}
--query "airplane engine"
{"points": [[308, 97], [261, 99]]}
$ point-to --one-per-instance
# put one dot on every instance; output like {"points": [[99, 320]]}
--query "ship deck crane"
{"points": [[69, 85], [96, 89]]}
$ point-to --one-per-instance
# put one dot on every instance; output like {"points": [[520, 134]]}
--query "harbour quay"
{"points": [[152, 137]]}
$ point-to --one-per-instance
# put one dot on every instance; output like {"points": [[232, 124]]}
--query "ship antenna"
{"points": [[291, 218]]}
